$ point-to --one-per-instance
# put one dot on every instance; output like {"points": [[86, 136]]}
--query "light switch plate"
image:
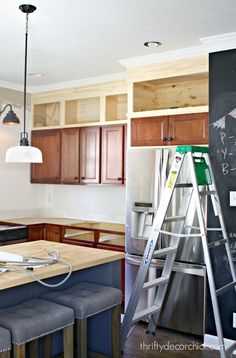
{"points": [[232, 198], [234, 320]]}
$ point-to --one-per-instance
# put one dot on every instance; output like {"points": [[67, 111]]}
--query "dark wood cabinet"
{"points": [[149, 131], [170, 130], [48, 142], [188, 129], [36, 232], [70, 156], [90, 155], [52, 232], [113, 155]]}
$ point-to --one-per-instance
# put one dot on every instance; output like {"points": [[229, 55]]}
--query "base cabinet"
{"points": [[36, 232], [52, 233]]}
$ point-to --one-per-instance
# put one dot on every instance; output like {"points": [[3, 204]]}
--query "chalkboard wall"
{"points": [[222, 142]]}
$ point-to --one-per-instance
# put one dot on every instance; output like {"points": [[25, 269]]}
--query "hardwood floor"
{"points": [[171, 344]]}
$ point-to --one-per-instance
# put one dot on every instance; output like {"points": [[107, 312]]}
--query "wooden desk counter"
{"points": [[80, 258]]}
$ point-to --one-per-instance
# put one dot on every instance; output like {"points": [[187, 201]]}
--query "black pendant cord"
{"points": [[24, 134]]}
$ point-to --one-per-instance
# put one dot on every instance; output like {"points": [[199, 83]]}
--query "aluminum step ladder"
{"points": [[200, 183]]}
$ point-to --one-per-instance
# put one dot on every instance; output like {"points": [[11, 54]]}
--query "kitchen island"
{"points": [[89, 264]]}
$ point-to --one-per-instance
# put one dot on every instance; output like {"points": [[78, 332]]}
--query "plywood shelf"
{"points": [[83, 110], [47, 115], [167, 112], [116, 107], [171, 93]]}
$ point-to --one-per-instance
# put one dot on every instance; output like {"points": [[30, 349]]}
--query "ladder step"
{"points": [[217, 243], [225, 288], [184, 185], [165, 251], [230, 349], [207, 192], [145, 313], [157, 282], [174, 218]]}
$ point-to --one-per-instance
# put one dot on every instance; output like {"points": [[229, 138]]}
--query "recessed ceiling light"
{"points": [[36, 74], [152, 44]]}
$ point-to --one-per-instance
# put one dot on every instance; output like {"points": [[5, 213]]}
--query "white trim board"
{"points": [[212, 341]]}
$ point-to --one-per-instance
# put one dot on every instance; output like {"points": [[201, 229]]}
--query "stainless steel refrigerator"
{"points": [[185, 303]]}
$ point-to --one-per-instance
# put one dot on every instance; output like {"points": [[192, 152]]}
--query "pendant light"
{"points": [[24, 153]]}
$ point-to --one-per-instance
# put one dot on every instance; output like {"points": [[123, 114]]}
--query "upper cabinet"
{"points": [[81, 106], [90, 140], [88, 155], [113, 155], [49, 142], [70, 156], [170, 130]]}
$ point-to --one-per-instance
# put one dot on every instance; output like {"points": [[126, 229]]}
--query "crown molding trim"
{"points": [[12, 86], [79, 83], [220, 42], [164, 56]]}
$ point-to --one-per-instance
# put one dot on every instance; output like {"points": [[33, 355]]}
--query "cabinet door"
{"points": [[70, 156], [36, 232], [112, 154], [48, 142], [149, 131], [90, 155], [52, 233], [188, 129]]}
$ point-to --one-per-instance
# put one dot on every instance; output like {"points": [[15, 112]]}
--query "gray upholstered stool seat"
{"points": [[35, 318], [88, 299], [5, 340]]}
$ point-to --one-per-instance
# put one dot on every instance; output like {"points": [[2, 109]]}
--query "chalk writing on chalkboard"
{"points": [[226, 150]]}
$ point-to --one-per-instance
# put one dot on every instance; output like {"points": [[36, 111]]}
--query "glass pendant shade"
{"points": [[23, 154]]}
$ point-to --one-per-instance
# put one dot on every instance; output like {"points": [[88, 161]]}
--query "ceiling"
{"points": [[75, 39]]}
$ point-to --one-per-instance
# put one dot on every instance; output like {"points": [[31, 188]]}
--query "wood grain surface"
{"points": [[79, 257]]}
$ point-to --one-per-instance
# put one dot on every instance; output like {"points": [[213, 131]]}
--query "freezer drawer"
{"points": [[185, 302]]}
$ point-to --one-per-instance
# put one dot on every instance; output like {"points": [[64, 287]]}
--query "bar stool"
{"points": [[37, 318], [5, 343], [88, 299]]}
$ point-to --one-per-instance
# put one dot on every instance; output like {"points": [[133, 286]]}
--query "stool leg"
{"points": [[47, 344], [34, 348], [116, 347], [82, 338], [5, 354], [19, 351], [68, 341]]}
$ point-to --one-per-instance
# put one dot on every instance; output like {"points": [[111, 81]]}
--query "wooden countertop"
{"points": [[80, 258], [82, 224]]}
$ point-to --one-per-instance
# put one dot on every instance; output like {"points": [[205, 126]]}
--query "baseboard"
{"points": [[212, 341]]}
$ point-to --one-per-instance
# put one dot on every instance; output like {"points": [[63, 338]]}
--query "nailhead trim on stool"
{"points": [[5, 340], [88, 299], [36, 318]]}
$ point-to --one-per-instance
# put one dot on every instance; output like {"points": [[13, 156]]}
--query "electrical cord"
{"points": [[43, 261]]}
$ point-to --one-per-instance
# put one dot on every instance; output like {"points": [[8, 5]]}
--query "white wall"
{"points": [[17, 196], [86, 202]]}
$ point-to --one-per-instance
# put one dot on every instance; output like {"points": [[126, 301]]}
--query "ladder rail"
{"points": [[150, 247], [222, 224], [210, 274], [170, 259]]}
